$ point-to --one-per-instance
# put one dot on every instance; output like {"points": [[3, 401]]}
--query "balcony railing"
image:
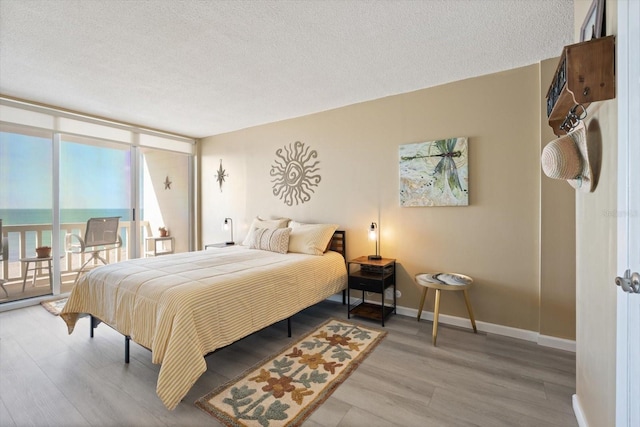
{"points": [[20, 241]]}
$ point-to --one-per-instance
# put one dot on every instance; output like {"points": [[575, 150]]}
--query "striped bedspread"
{"points": [[185, 305]]}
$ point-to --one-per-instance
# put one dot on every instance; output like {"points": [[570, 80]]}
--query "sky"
{"points": [[91, 177]]}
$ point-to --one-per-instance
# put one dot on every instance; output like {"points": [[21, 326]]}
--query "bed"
{"points": [[184, 306]]}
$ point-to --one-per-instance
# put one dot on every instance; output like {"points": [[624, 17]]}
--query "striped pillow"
{"points": [[270, 239], [264, 223]]}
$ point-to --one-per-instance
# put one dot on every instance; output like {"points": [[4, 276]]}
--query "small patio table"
{"points": [[34, 264]]}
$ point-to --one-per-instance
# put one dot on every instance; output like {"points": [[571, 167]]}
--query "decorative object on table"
{"points": [[285, 389], [594, 23], [373, 235], [43, 251], [221, 174], [167, 183], [164, 232], [434, 173], [570, 158], [444, 282], [294, 173], [227, 224], [54, 307]]}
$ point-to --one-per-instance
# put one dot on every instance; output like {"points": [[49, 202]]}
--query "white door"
{"points": [[628, 333]]}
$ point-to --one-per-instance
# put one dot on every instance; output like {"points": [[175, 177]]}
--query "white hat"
{"points": [[568, 158]]}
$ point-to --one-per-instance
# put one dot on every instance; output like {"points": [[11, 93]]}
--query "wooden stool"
{"points": [[444, 282]]}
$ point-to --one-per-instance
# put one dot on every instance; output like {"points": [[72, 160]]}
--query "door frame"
{"points": [[628, 250]]}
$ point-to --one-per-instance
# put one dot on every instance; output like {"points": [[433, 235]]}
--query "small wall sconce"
{"points": [[373, 235], [228, 225]]}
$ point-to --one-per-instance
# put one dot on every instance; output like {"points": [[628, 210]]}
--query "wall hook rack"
{"points": [[585, 74], [577, 114]]}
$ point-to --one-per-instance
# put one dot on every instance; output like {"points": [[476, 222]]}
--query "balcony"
{"points": [[20, 241]]}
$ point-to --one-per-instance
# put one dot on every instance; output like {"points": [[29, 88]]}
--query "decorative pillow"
{"points": [[264, 223], [270, 239], [312, 239]]}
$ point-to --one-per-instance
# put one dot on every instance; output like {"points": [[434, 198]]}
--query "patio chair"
{"points": [[101, 235]]}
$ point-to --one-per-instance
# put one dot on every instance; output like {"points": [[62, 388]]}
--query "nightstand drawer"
{"points": [[365, 284]]}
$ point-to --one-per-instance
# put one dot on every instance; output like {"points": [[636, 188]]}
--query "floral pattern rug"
{"points": [[284, 390]]}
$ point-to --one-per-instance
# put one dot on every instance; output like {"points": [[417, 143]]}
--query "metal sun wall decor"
{"points": [[293, 173], [221, 174], [434, 173]]}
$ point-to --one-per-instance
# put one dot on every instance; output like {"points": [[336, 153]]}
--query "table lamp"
{"points": [[373, 235], [228, 225]]}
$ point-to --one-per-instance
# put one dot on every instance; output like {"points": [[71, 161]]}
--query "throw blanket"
{"points": [[186, 305]]}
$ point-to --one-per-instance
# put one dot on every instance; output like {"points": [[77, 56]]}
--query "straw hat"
{"points": [[568, 158]]}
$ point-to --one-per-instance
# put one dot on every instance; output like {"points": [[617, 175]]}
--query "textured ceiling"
{"points": [[200, 68]]}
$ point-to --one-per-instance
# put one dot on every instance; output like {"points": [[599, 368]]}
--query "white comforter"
{"points": [[186, 305]]}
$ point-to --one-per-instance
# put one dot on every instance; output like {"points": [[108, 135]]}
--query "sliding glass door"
{"points": [[26, 168], [95, 182], [58, 170]]}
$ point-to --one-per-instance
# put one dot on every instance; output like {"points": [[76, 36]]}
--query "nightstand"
{"points": [[218, 245], [371, 276]]}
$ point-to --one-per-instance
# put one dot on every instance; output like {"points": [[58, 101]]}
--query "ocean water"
{"points": [[45, 216]]}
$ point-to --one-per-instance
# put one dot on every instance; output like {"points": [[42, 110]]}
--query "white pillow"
{"points": [[312, 239], [294, 224], [264, 223], [270, 239]]}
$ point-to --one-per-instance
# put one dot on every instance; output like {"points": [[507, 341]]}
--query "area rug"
{"points": [[54, 307], [285, 389]]}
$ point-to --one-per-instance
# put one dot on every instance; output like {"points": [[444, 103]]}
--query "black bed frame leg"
{"points": [[92, 325], [93, 322], [344, 297], [289, 327]]}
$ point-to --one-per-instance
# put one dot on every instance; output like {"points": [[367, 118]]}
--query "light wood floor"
{"points": [[50, 378]]}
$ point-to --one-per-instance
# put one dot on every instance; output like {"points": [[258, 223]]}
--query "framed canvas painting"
{"points": [[434, 173], [593, 24]]}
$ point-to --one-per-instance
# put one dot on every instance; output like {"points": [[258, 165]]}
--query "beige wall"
{"points": [[496, 239], [596, 262], [165, 206], [557, 237]]}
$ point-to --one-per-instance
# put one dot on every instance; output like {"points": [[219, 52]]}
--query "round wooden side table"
{"points": [[444, 282]]}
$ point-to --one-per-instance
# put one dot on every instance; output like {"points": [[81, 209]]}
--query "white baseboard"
{"points": [[491, 328], [577, 410], [559, 343]]}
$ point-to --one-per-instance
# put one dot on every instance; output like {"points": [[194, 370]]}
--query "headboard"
{"points": [[338, 243]]}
